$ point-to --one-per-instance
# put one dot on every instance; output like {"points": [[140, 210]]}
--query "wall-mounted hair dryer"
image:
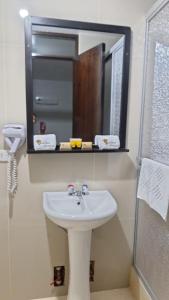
{"points": [[15, 136]]}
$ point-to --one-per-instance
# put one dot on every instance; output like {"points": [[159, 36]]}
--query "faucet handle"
{"points": [[85, 189], [71, 189]]}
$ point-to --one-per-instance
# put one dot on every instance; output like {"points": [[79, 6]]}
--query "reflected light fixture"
{"points": [[23, 13]]}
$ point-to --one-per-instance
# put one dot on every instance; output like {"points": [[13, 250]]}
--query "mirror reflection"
{"points": [[77, 82]]}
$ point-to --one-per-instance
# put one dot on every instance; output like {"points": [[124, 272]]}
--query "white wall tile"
{"points": [[35, 243]]}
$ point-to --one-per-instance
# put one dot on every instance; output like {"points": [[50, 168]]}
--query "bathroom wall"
{"points": [[30, 244]]}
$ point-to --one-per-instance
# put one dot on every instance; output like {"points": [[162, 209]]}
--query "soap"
{"points": [[65, 146], [76, 142], [86, 145]]}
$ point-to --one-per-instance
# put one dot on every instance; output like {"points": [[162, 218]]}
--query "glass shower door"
{"points": [[152, 233]]}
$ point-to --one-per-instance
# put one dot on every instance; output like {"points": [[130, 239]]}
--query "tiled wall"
{"points": [[30, 244]]}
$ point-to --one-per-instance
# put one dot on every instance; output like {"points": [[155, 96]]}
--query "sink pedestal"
{"points": [[79, 260], [79, 218]]}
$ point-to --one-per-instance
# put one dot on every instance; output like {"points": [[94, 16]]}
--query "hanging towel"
{"points": [[153, 186]]}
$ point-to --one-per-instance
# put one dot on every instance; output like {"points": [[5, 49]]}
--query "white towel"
{"points": [[107, 141], [44, 142], [153, 186]]}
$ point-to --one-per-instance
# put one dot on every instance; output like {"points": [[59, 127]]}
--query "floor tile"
{"points": [[120, 294]]}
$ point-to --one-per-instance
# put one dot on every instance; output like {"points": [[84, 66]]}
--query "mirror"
{"points": [[77, 79]]}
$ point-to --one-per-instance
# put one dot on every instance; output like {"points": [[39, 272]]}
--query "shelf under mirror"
{"points": [[94, 150]]}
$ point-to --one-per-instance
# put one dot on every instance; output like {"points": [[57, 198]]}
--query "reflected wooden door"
{"points": [[88, 92]]}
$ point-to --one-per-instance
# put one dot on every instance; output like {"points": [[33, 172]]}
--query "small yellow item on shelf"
{"points": [[76, 143], [65, 146], [86, 145]]}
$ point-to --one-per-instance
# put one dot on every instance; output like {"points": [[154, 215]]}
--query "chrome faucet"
{"points": [[71, 189], [85, 189], [73, 192]]}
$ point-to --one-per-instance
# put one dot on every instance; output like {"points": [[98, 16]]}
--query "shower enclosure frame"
{"points": [[156, 8]]}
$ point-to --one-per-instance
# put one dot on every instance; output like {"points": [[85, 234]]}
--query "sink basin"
{"points": [[70, 212], [79, 215]]}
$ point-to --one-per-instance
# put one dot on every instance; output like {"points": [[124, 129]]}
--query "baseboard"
{"points": [[137, 287], [124, 293], [52, 298]]}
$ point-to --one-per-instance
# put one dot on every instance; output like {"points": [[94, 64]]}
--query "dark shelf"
{"points": [[94, 150]]}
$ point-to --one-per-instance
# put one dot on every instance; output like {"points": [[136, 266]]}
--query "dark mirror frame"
{"points": [[126, 31]]}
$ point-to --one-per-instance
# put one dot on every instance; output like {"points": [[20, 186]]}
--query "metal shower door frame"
{"points": [[156, 8]]}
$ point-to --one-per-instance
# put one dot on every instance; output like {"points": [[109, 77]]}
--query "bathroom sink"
{"points": [[80, 213]]}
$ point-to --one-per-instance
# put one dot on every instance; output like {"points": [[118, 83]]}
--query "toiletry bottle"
{"points": [[42, 127]]}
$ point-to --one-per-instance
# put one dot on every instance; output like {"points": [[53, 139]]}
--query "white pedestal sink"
{"points": [[79, 217]]}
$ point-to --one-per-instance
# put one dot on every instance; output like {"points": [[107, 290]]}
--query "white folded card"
{"points": [[44, 142], [107, 141]]}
